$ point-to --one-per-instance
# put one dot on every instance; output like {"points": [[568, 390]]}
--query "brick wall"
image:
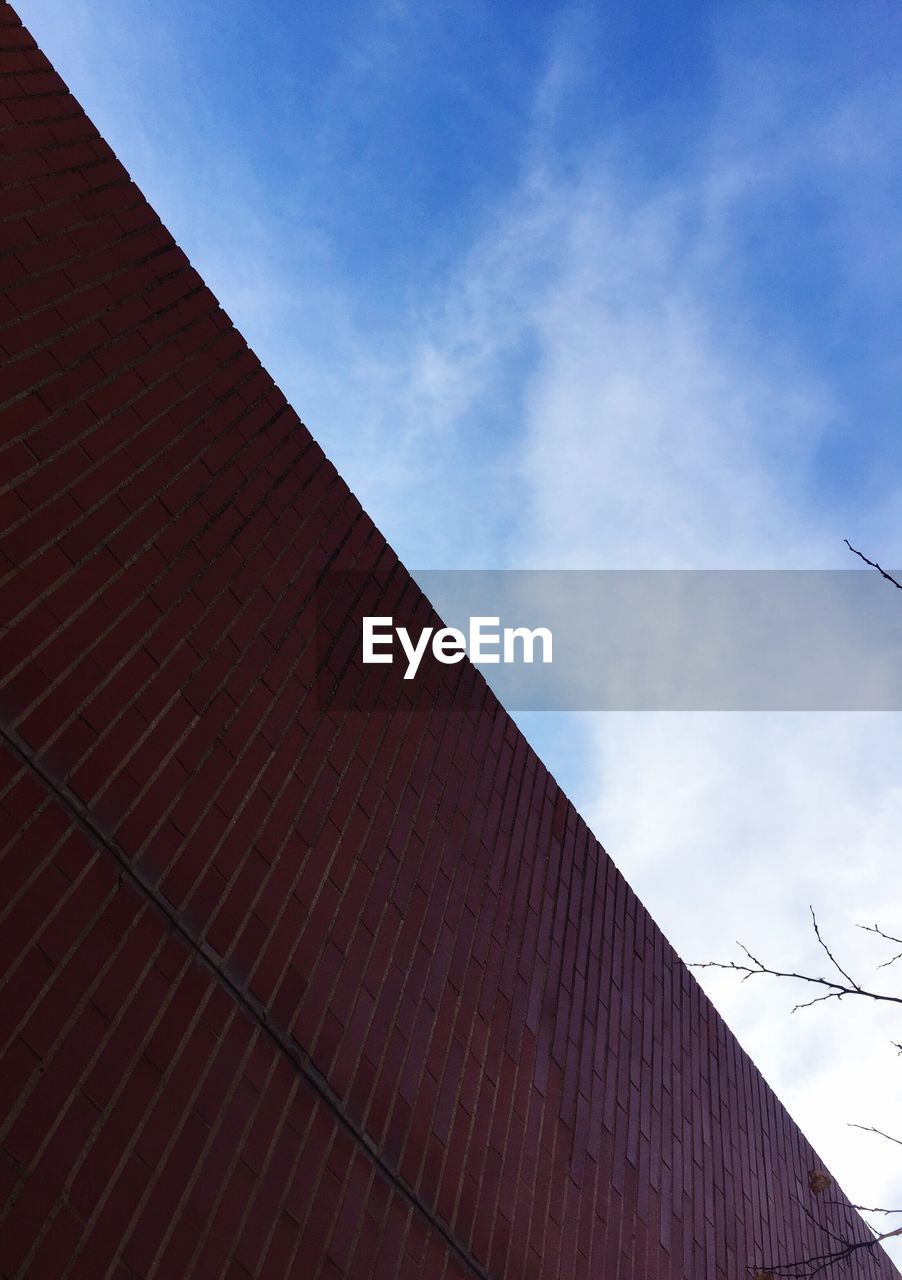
{"points": [[306, 972]]}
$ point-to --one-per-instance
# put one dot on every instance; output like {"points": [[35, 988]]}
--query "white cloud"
{"points": [[661, 432], [728, 827]]}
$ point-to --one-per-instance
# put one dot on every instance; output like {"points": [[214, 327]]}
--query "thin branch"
{"points": [[834, 990], [881, 933], [869, 1128], [863, 1208], [831, 1235], [888, 937], [840, 1250], [818, 1264], [837, 966], [873, 563]]}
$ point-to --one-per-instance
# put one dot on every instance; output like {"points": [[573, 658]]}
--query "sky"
{"points": [[589, 286]]}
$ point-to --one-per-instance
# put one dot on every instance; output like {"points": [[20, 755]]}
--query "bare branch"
{"points": [[881, 933], [835, 990], [863, 1208], [888, 937], [837, 966], [869, 1128], [840, 1245], [873, 563], [819, 1263], [822, 1227]]}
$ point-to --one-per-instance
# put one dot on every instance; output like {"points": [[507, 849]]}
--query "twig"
{"points": [[888, 937], [863, 1208], [873, 563], [869, 1128], [834, 990], [817, 1264], [837, 966]]}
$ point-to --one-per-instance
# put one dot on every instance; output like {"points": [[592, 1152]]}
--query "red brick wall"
{"points": [[305, 974]]}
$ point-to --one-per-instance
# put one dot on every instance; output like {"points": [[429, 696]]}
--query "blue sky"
{"points": [[366, 160], [606, 285]]}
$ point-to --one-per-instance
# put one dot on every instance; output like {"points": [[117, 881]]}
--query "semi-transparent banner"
{"points": [[743, 640]]}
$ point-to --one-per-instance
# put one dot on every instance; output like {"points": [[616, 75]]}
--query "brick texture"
{"points": [[307, 972]]}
